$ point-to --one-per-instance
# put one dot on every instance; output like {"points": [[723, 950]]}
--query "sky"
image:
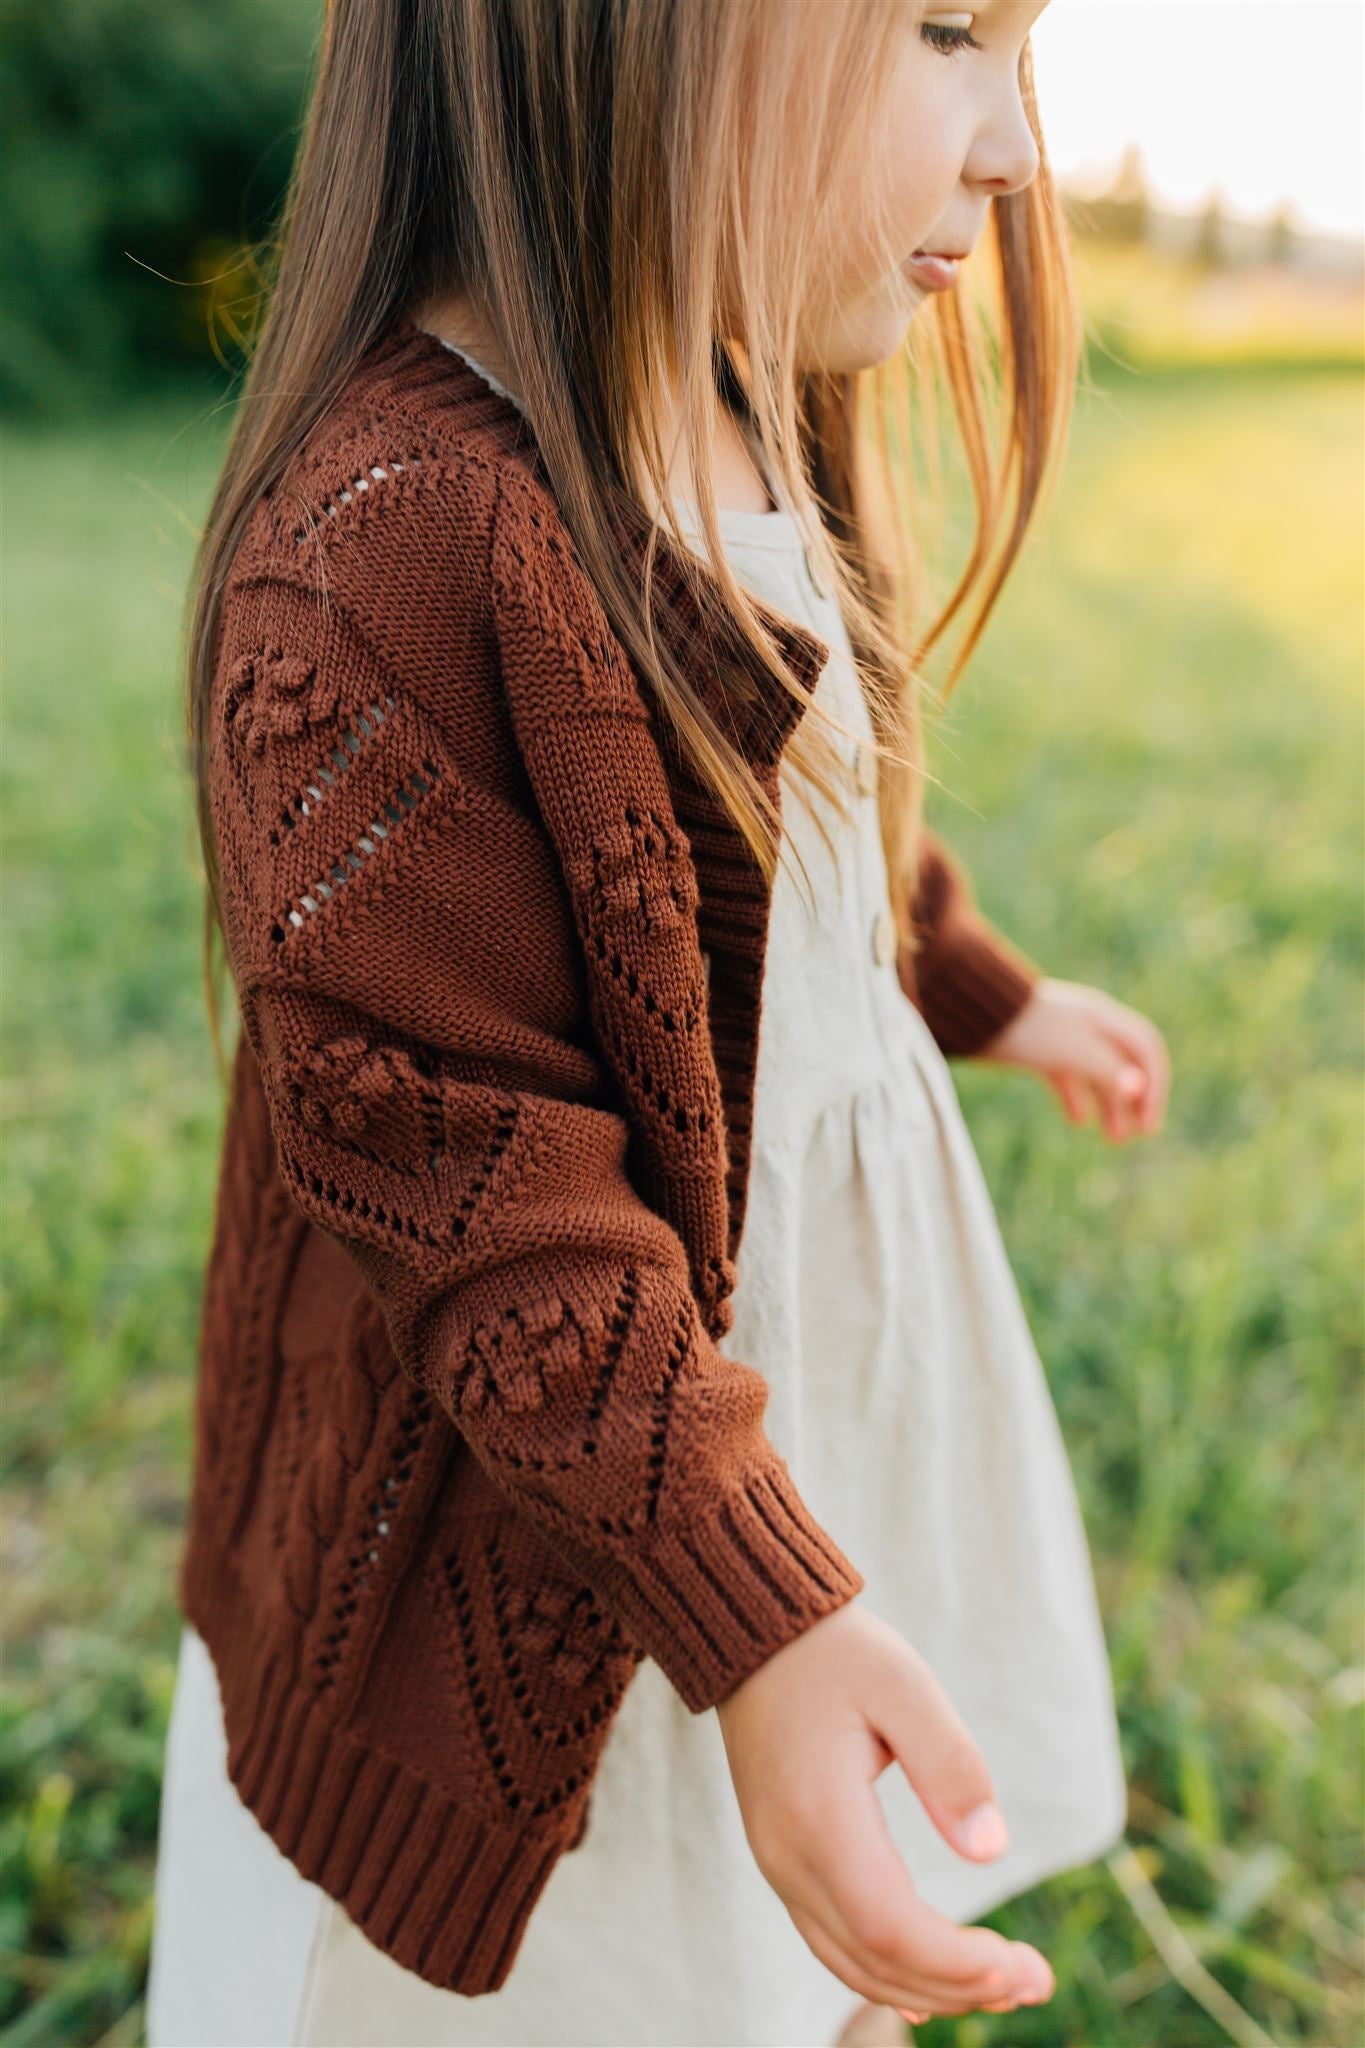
{"points": [[1263, 98]]}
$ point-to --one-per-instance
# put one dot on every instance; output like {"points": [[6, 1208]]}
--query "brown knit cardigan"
{"points": [[466, 1449]]}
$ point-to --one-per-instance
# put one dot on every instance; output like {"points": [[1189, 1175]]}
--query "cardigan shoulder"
{"points": [[435, 547], [359, 718]]}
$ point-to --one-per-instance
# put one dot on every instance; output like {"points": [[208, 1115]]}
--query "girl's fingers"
{"points": [[1104, 1046], [833, 1954], [1128, 1087], [928, 1997], [1120, 1100], [1121, 1095], [853, 1882], [1073, 1095], [1140, 1040]]}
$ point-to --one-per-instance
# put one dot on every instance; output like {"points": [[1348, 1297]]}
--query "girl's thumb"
{"points": [[946, 1770], [978, 1831], [983, 1832]]}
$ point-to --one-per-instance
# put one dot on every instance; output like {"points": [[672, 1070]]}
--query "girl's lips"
{"points": [[934, 273]]}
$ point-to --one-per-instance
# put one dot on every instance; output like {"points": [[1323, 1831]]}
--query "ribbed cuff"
{"points": [[980, 982], [712, 1603]]}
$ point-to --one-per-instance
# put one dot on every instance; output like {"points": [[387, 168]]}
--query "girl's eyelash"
{"points": [[954, 39]]}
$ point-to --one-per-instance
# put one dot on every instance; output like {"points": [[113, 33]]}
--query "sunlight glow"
{"points": [[1264, 99]]}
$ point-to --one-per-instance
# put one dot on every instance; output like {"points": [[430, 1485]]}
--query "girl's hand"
{"points": [[806, 1736], [1092, 1051]]}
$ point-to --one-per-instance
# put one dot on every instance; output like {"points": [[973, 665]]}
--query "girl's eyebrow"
{"points": [[993, 9]]}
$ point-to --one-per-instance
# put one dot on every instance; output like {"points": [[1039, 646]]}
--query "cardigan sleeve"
{"points": [[409, 980], [967, 979]]}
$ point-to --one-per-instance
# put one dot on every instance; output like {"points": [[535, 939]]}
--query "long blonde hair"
{"points": [[620, 188]]}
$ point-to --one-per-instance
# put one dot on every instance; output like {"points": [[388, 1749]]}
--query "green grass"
{"points": [[1154, 776]]}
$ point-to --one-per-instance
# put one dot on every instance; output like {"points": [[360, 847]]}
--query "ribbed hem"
{"points": [[980, 982], [714, 1602], [445, 1893]]}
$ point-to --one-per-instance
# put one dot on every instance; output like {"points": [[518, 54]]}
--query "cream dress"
{"points": [[908, 1398]]}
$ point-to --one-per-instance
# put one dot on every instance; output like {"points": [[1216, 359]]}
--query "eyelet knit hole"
{"points": [[412, 1423], [396, 810], [356, 487]]}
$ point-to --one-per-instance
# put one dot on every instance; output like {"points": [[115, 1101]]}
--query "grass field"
{"points": [[1154, 775]]}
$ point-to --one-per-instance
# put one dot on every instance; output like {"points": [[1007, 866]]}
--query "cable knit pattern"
{"points": [[466, 1449]]}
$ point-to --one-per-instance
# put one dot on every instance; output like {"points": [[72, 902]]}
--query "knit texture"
{"points": [[466, 1449]]}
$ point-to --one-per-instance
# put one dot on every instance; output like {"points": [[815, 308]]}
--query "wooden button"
{"points": [[865, 764], [884, 938], [706, 967]]}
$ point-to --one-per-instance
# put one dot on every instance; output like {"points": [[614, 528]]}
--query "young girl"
{"points": [[606, 1318]]}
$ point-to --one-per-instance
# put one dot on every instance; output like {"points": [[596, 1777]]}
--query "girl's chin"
{"points": [[878, 336]]}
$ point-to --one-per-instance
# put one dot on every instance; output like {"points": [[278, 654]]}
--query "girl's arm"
{"points": [[981, 996], [967, 978], [411, 987]]}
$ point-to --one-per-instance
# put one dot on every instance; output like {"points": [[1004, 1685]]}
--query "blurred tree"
{"points": [[148, 145], [1282, 233], [1210, 249], [1129, 200]]}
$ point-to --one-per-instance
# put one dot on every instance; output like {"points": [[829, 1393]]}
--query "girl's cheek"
{"points": [[900, 188], [912, 174], [912, 197]]}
